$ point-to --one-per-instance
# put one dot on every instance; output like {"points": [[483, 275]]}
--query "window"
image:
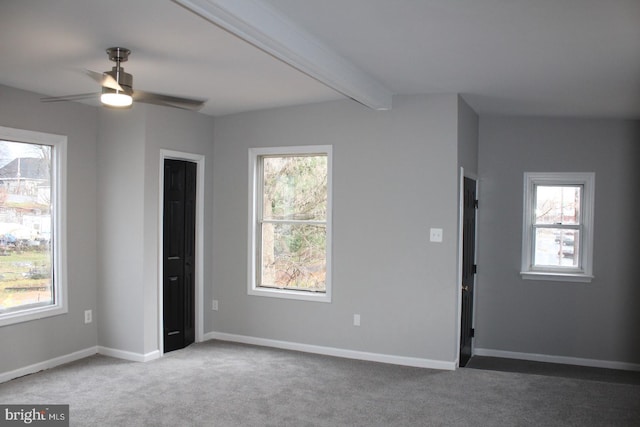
{"points": [[32, 258], [290, 222], [558, 226]]}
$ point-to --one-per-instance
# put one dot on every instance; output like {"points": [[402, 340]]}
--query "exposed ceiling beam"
{"points": [[266, 28]]}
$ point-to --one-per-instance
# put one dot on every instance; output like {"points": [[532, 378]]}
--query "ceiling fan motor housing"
{"points": [[124, 79], [118, 55]]}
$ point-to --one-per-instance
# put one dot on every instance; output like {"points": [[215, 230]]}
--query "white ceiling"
{"points": [[578, 58]]}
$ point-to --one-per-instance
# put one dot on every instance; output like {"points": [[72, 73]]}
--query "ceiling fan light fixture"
{"points": [[116, 99], [117, 88]]}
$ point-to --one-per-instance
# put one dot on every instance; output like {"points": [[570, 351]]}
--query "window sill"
{"points": [[28, 315], [556, 277], [290, 294]]}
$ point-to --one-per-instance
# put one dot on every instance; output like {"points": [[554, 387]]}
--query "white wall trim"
{"points": [[337, 352], [595, 363], [47, 364], [199, 159], [129, 355]]}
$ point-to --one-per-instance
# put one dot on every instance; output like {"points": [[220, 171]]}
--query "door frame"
{"points": [[462, 176], [199, 160]]}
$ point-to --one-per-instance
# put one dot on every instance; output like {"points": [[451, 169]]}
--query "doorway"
{"points": [[469, 206], [179, 235]]}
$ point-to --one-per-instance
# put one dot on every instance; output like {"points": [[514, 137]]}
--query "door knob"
{"points": [[465, 288]]}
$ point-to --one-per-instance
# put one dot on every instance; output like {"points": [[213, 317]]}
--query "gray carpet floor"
{"points": [[218, 383]]}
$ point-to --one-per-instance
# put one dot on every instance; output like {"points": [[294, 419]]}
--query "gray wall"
{"points": [[181, 131], [599, 320], [468, 123], [121, 193], [129, 171], [32, 342], [395, 176], [112, 208]]}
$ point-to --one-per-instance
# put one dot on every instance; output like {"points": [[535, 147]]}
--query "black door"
{"points": [[468, 268], [179, 254]]}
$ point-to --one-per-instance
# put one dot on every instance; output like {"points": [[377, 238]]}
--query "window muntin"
{"points": [[558, 226], [32, 283], [290, 228]]}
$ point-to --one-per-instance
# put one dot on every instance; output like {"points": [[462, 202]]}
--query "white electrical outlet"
{"points": [[435, 235], [88, 316], [356, 320], [214, 305]]}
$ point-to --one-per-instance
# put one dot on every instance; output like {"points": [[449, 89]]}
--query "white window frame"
{"points": [[584, 271], [59, 236], [255, 200]]}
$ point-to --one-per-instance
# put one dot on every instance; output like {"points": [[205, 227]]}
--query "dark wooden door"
{"points": [[179, 254], [468, 268]]}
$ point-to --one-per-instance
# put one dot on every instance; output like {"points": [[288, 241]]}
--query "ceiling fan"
{"points": [[117, 88]]}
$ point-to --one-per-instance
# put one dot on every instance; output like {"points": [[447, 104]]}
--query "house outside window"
{"points": [[558, 226], [32, 256], [290, 222]]}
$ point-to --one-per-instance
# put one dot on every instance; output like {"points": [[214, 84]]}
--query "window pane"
{"points": [[293, 256], [295, 187], [557, 247], [25, 226], [558, 204]]}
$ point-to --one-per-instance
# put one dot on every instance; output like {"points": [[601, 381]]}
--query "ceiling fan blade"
{"points": [[104, 80], [76, 97], [167, 100]]}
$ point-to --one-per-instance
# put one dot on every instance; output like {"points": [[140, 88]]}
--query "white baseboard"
{"points": [[129, 355], [48, 364], [337, 352], [595, 363]]}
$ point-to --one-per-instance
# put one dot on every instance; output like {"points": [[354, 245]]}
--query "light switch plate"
{"points": [[435, 235]]}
